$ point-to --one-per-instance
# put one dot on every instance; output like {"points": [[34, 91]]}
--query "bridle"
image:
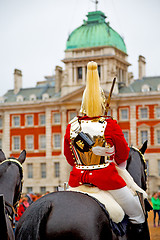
{"points": [[14, 206]]}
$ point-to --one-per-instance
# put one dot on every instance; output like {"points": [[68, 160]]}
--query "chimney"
{"points": [[141, 67], [58, 78], [17, 80]]}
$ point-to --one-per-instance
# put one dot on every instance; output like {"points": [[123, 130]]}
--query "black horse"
{"points": [[11, 174], [73, 215]]}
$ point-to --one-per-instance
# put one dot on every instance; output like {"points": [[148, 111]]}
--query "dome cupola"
{"points": [[95, 32]]}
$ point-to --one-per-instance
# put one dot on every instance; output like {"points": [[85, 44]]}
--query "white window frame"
{"points": [[157, 112], [54, 141], [13, 121], [42, 145], [40, 120], [126, 131], [13, 143], [140, 113], [56, 121], [26, 122], [19, 98], [121, 115], [56, 169], [32, 97], [145, 88], [29, 170], [43, 170], [26, 142], [143, 127], [70, 113]]}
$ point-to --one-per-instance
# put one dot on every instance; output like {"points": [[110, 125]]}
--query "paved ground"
{"points": [[154, 231]]}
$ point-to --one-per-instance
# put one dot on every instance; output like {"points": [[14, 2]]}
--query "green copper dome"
{"points": [[95, 32]]}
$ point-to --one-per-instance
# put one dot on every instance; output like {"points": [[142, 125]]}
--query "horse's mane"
{"points": [[4, 167], [141, 156], [37, 213]]}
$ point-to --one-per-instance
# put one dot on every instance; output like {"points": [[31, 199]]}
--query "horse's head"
{"points": [[136, 165], [11, 175]]}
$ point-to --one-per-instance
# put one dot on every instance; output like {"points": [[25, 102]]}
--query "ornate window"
{"points": [[143, 134]]}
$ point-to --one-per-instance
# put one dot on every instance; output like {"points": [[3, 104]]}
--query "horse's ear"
{"points": [[144, 147], [22, 156], [2, 156]]}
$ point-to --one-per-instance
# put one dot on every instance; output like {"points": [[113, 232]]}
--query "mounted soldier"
{"points": [[95, 147]]}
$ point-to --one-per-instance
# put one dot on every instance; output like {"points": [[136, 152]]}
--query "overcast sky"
{"points": [[33, 34]]}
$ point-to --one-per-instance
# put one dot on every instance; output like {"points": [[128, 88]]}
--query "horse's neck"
{"points": [[135, 169], [8, 190]]}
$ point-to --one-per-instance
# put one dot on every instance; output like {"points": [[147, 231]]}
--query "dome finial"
{"points": [[96, 4]]}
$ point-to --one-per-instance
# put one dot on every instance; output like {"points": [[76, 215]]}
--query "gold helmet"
{"points": [[93, 101]]}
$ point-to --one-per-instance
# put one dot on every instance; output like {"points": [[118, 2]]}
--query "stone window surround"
{"points": [[55, 122], [26, 143], [156, 128], [126, 131], [139, 112], [120, 114], [39, 119], [143, 127], [43, 170], [26, 122], [13, 143], [155, 109], [41, 142], [54, 147], [13, 121], [29, 170]]}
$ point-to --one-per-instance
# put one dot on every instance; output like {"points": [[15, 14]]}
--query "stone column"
{"points": [[114, 112], [75, 75], [83, 75], [6, 134]]}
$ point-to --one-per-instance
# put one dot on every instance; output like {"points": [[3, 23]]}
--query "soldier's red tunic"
{"points": [[105, 178]]}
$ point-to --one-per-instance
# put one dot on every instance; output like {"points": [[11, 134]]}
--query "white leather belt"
{"points": [[93, 167]]}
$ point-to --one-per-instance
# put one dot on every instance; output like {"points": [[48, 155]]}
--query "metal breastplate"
{"points": [[95, 128]]}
